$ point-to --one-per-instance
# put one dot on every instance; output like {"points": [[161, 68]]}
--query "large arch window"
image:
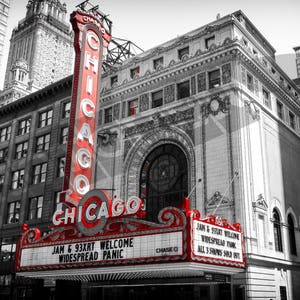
{"points": [[277, 231], [163, 179], [293, 247]]}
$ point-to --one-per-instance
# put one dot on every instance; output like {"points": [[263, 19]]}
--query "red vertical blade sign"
{"points": [[89, 41]]}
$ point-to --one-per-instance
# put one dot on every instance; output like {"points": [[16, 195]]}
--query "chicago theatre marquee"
{"points": [[100, 240]]}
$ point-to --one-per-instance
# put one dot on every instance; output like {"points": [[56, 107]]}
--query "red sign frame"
{"points": [[89, 41]]}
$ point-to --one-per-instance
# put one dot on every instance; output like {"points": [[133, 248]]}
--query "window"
{"points": [[283, 295], [108, 115], [292, 239], [45, 118], [214, 78], [35, 208], [266, 98], [42, 143], [157, 63], [61, 167], [134, 72], [5, 133], [250, 84], [8, 248], [24, 126], [183, 89], [3, 155], [182, 52], [66, 110], [17, 180], [13, 212], [209, 41], [113, 80], [277, 231], [64, 135], [292, 120], [163, 179], [157, 99], [39, 173], [133, 107], [279, 109], [21, 150]]}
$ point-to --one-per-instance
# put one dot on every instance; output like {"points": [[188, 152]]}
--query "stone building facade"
{"points": [[41, 50], [208, 115], [4, 9]]}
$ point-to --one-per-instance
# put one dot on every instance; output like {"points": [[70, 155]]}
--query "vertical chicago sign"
{"points": [[91, 38]]}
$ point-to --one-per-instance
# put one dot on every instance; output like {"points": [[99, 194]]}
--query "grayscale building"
{"points": [[208, 114]]}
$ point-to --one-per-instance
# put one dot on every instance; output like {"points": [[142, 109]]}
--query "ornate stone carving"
{"points": [[252, 109], [215, 105], [158, 120], [226, 73], [201, 79], [217, 199], [144, 102], [260, 203], [116, 112], [169, 93], [188, 128]]}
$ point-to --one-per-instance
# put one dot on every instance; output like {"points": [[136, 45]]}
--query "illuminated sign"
{"points": [[213, 242], [94, 209], [90, 39], [104, 251]]}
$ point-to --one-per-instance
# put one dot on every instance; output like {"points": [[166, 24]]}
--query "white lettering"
{"points": [[87, 213], [90, 37], [118, 207], [133, 205], [85, 103], [89, 85], [103, 211], [85, 133], [91, 61], [84, 158], [81, 184]]}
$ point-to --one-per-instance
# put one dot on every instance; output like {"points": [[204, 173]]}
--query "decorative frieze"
{"points": [[215, 105], [160, 121]]}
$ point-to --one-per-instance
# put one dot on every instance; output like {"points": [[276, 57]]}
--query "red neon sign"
{"points": [[90, 39]]}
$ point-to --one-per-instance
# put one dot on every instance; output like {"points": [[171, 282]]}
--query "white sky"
{"points": [[149, 23]]}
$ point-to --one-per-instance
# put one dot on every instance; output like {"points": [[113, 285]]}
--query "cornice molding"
{"points": [[36, 96], [222, 51]]}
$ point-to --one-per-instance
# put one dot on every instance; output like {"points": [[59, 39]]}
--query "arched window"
{"points": [[163, 179], [277, 231], [293, 248]]}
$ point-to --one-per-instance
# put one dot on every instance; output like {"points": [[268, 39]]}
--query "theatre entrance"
{"points": [[153, 292]]}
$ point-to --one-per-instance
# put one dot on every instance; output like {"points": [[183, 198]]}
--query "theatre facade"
{"points": [[171, 174]]}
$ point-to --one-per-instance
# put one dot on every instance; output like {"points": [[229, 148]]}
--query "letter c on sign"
{"points": [[82, 185], [85, 103], [92, 36], [84, 158]]}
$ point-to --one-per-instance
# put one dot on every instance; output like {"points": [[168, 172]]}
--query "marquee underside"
{"points": [[174, 270]]}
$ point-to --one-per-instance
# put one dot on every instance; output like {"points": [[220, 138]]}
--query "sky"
{"points": [[149, 23]]}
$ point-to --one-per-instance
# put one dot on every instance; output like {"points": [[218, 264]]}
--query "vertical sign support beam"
{"points": [[90, 40]]}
